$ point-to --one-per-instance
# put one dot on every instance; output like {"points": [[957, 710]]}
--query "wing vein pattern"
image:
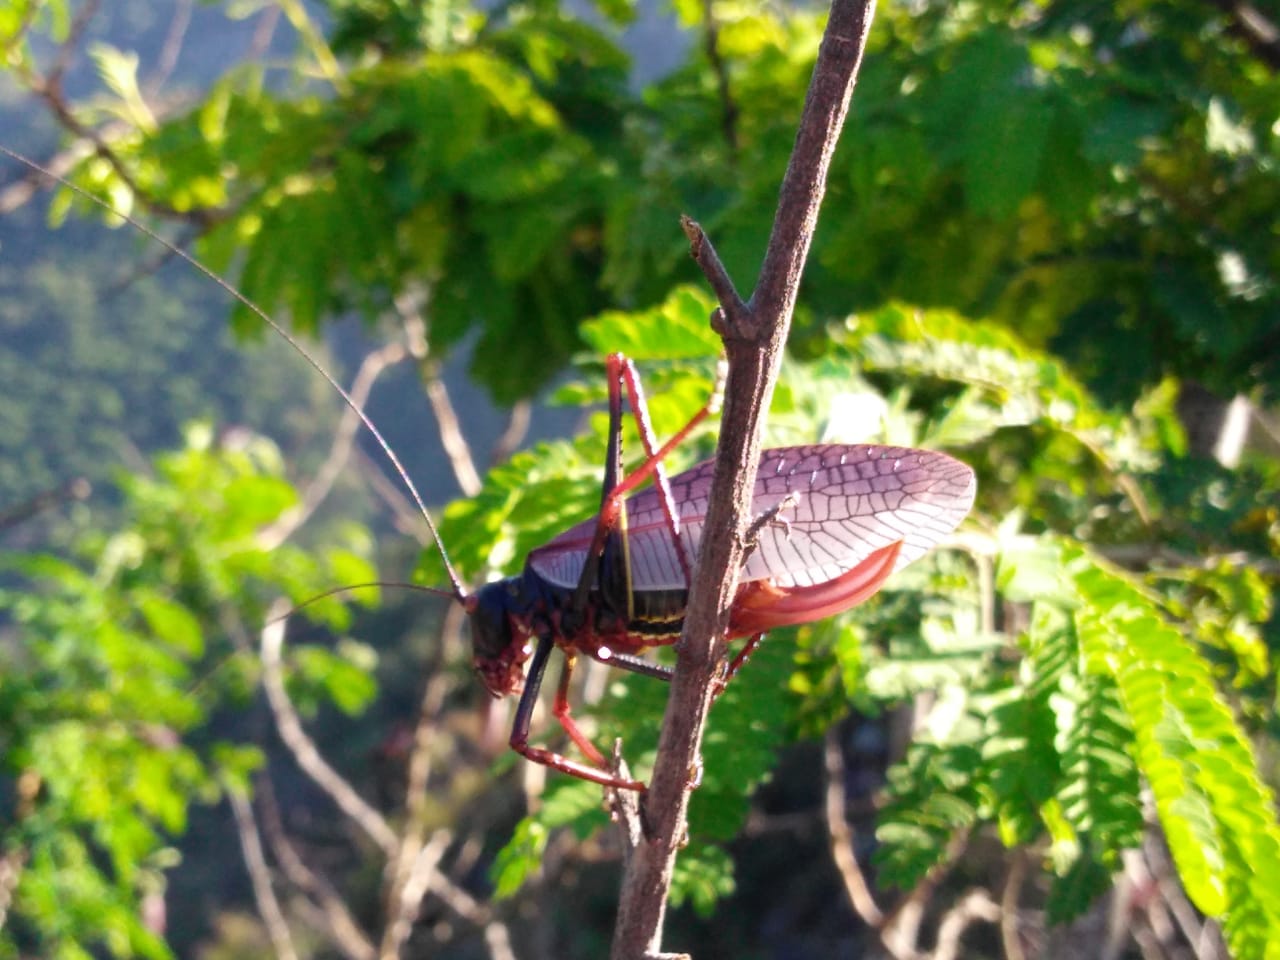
{"points": [[853, 500]]}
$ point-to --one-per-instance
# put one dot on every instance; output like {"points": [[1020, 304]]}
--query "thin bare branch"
{"points": [[425, 876], [458, 900], [11, 865], [20, 192], [410, 307], [407, 875], [68, 49], [770, 518], [455, 444], [498, 939], [468, 908], [733, 311], [624, 807], [987, 597], [265, 30], [171, 49], [754, 347], [407, 901], [260, 876], [329, 909], [93, 140], [303, 747], [842, 837], [271, 537], [49, 90], [805, 181], [440, 684], [517, 429], [313, 40], [728, 107], [408, 521], [1009, 897], [973, 906], [901, 931]]}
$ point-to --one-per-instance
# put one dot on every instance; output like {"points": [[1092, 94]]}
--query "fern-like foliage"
{"points": [[1094, 815], [1217, 813], [1109, 689], [933, 795], [1010, 383]]}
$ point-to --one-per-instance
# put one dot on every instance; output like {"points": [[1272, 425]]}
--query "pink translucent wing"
{"points": [[852, 501]]}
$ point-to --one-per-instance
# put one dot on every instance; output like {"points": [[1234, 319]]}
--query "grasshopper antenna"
{"points": [[352, 587], [458, 593]]}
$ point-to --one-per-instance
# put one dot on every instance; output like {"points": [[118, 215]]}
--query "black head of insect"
{"points": [[502, 633], [501, 639]]}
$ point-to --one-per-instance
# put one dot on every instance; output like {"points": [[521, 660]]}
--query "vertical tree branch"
{"points": [[260, 875], [263, 34], [328, 907], [1009, 896], [11, 865], [171, 49], [455, 444], [407, 897], [973, 906], [728, 108], [842, 854], [288, 523], [754, 335], [409, 306], [517, 429], [303, 747], [407, 877], [70, 47]]}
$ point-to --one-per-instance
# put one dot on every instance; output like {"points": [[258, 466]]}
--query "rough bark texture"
{"points": [[754, 334]]}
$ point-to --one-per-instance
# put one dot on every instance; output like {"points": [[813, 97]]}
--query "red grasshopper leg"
{"points": [[733, 666], [761, 606], [622, 372], [622, 367], [621, 375], [549, 758], [595, 772], [560, 710]]}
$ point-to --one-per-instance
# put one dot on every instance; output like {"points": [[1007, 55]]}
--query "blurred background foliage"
{"points": [[1049, 245]]}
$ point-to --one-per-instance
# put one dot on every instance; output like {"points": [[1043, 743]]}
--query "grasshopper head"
{"points": [[500, 644]]}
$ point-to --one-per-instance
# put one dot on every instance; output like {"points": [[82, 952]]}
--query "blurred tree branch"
{"points": [[413, 858]]}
